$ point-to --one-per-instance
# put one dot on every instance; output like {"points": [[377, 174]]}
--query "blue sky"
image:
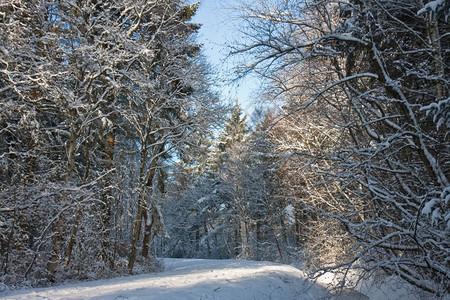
{"points": [[218, 29]]}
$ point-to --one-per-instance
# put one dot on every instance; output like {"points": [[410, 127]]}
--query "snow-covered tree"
{"points": [[97, 97], [376, 74]]}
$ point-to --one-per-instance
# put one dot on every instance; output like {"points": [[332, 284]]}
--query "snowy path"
{"points": [[191, 279]]}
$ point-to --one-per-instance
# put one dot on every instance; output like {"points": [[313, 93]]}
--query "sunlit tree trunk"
{"points": [[149, 218], [146, 241], [137, 229]]}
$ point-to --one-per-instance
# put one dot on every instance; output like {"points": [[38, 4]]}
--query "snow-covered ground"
{"points": [[213, 279], [191, 279]]}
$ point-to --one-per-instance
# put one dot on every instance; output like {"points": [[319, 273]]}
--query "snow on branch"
{"points": [[434, 207], [440, 111], [435, 7]]}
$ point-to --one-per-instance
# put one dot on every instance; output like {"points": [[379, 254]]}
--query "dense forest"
{"points": [[116, 149]]}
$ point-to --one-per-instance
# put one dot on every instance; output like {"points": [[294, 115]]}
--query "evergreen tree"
{"points": [[235, 129]]}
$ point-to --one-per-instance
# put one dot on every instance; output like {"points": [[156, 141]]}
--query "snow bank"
{"points": [[378, 287]]}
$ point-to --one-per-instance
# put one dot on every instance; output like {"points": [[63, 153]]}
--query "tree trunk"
{"points": [[433, 32], [147, 183], [208, 246], [298, 240], [278, 244], [228, 247], [71, 155], [137, 230], [237, 239], [284, 234], [58, 237], [73, 238], [258, 240], [57, 242], [10, 239], [197, 238], [245, 238], [79, 211], [149, 221], [146, 215], [107, 197]]}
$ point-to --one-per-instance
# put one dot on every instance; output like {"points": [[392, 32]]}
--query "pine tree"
{"points": [[235, 128]]}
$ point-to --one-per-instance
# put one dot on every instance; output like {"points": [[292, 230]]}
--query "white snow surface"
{"points": [[191, 279], [185, 279]]}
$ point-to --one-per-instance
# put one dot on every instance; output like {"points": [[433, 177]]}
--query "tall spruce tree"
{"points": [[235, 128]]}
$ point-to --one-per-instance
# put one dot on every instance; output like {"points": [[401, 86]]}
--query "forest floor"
{"points": [[199, 279]]}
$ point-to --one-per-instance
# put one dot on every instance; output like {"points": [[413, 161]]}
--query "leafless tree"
{"points": [[372, 72]]}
